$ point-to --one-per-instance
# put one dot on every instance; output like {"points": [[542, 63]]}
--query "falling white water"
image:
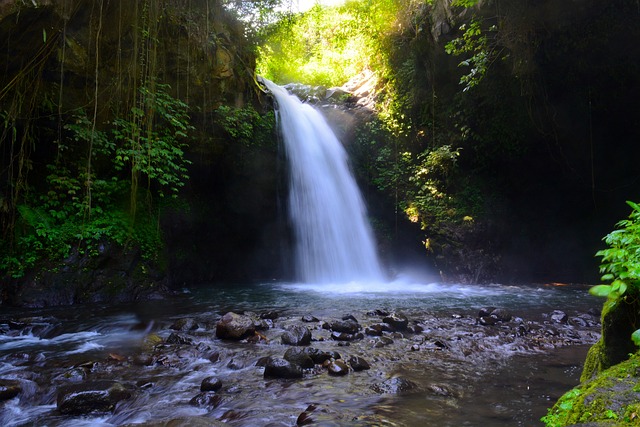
{"points": [[334, 242]]}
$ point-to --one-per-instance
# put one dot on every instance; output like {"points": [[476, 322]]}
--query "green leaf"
{"points": [[635, 337], [600, 290]]}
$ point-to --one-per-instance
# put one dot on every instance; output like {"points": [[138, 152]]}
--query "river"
{"points": [[448, 369]]}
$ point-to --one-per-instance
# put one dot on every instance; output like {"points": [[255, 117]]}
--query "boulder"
{"points": [[233, 326], [348, 326], [296, 335], [276, 367], [300, 357], [397, 321], [91, 397]]}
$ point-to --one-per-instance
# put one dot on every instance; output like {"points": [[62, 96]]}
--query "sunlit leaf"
{"points": [[600, 290]]}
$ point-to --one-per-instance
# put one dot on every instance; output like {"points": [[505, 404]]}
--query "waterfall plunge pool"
{"points": [[452, 371]]}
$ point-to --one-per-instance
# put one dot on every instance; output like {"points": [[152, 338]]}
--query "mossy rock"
{"points": [[612, 398], [615, 343]]}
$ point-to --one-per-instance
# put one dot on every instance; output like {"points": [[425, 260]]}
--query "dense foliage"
{"points": [[327, 46], [620, 264]]}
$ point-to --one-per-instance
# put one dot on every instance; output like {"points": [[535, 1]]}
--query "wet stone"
{"points": [[395, 385], [342, 336], [235, 365], [348, 326], [307, 318], [206, 399], [276, 367], [338, 368], [175, 338], [76, 374], [485, 311], [296, 335], [210, 384], [358, 363], [559, 316], [373, 330], [184, 325], [487, 320], [378, 313], [143, 359], [9, 389], [91, 397], [415, 329], [397, 321], [501, 315], [300, 357], [270, 315], [319, 356], [234, 326]]}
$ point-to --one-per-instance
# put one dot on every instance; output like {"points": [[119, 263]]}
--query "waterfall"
{"points": [[333, 240]]}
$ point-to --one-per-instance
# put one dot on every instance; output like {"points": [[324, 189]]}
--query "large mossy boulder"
{"points": [[615, 343], [610, 398]]}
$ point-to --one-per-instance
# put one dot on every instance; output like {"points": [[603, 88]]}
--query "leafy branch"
{"points": [[620, 263]]}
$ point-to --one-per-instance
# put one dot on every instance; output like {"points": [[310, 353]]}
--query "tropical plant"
{"points": [[620, 264]]}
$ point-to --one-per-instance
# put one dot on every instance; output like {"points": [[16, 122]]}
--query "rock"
{"points": [[559, 316], [9, 389], [395, 385], [235, 365], [319, 356], [338, 368], [501, 315], [378, 313], [349, 317], [358, 364], [184, 325], [487, 320], [397, 321], [234, 326], [378, 328], [91, 397], [441, 390], [211, 384], [269, 315], [348, 326], [486, 311], [296, 335], [342, 336], [276, 367], [179, 339], [304, 419], [143, 359], [307, 318], [75, 374], [300, 357], [415, 329], [206, 399], [373, 330]]}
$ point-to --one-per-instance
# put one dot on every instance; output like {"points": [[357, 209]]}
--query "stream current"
{"points": [[451, 371]]}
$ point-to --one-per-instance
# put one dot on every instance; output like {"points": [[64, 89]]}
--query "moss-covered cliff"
{"points": [[107, 108]]}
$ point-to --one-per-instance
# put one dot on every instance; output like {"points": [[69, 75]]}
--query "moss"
{"points": [[615, 343], [610, 398]]}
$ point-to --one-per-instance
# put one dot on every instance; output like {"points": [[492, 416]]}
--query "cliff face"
{"points": [[194, 46], [72, 68]]}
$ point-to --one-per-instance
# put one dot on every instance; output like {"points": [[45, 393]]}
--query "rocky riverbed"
{"points": [[279, 366]]}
